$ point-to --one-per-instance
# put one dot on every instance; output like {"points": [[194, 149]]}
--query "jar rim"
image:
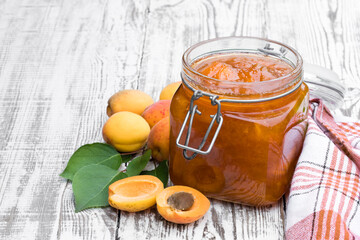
{"points": [[293, 74]]}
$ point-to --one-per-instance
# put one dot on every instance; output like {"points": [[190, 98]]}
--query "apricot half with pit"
{"points": [[134, 194], [181, 204]]}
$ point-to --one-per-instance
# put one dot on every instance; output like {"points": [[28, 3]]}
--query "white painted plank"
{"points": [[223, 221], [60, 61], [54, 88]]}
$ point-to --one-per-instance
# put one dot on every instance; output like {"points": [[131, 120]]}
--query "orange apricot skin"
{"points": [[200, 207], [157, 111], [130, 100], [168, 92], [126, 131], [159, 140], [135, 203]]}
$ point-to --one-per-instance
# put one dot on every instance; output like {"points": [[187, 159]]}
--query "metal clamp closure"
{"points": [[190, 117]]}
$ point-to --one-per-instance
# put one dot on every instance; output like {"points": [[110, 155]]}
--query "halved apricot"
{"points": [[134, 194], [181, 204]]}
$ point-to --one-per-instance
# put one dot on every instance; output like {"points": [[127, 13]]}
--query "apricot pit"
{"points": [[182, 204], [181, 201]]}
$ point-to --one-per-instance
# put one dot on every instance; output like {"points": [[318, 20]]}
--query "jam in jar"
{"points": [[238, 119]]}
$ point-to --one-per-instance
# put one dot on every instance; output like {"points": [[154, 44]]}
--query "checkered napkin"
{"points": [[324, 197]]}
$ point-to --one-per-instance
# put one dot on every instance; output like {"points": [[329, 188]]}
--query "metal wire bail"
{"points": [[190, 117]]}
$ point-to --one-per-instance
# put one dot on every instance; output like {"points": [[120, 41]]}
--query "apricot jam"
{"points": [[242, 67], [255, 87]]}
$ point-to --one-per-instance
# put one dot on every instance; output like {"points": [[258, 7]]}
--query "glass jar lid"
{"points": [[324, 84]]}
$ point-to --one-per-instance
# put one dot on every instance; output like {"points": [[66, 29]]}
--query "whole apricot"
{"points": [[157, 111], [168, 92], [128, 100], [181, 204], [126, 131], [159, 139], [134, 194]]}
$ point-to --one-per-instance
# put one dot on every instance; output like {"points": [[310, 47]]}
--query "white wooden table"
{"points": [[61, 60]]}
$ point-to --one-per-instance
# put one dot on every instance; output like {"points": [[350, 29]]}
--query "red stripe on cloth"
{"points": [[329, 220], [338, 184], [302, 229], [350, 187], [342, 197], [347, 233], [319, 226], [309, 174], [355, 189], [327, 182], [325, 214], [310, 169], [338, 228], [330, 180], [350, 128], [326, 123], [304, 187]]}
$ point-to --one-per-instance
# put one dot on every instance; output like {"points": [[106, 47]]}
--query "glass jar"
{"points": [[238, 141]]}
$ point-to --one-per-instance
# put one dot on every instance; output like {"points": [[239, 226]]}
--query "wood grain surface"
{"points": [[61, 60]]}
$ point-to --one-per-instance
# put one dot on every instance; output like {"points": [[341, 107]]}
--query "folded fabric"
{"points": [[324, 197]]}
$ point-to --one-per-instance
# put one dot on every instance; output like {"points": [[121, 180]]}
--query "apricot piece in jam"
{"points": [[242, 67]]}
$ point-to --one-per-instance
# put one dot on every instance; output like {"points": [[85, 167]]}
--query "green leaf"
{"points": [[161, 172], [91, 186], [138, 164], [127, 158], [96, 153]]}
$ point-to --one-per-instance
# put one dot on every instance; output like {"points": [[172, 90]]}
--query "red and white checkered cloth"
{"points": [[324, 197]]}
